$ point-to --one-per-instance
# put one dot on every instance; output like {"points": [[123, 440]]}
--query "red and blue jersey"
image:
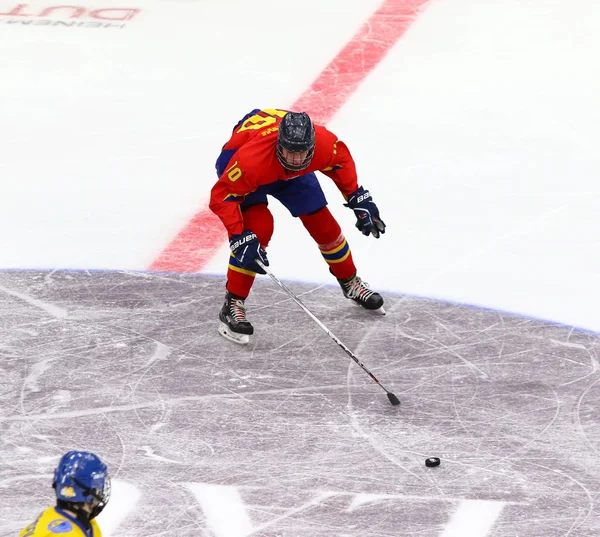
{"points": [[249, 160]]}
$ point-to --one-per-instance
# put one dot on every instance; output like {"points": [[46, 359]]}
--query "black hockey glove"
{"points": [[246, 248], [366, 212]]}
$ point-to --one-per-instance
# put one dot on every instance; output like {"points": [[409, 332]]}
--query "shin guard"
{"points": [[326, 232]]}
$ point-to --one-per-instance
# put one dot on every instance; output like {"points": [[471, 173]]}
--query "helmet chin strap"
{"points": [[97, 509], [84, 516], [295, 167], [81, 514]]}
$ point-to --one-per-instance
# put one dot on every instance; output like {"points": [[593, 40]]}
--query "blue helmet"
{"points": [[81, 477]]}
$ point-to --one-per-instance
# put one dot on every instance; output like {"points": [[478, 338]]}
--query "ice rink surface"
{"points": [[287, 436], [477, 134]]}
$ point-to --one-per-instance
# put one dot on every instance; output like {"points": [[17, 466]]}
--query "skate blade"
{"points": [[240, 339]]}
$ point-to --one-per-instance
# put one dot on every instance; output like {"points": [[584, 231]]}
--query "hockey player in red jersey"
{"points": [[276, 152]]}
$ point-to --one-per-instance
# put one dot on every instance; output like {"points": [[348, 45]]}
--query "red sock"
{"points": [[326, 232], [259, 219]]}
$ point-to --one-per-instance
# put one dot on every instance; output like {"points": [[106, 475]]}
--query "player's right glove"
{"points": [[246, 249], [366, 212]]}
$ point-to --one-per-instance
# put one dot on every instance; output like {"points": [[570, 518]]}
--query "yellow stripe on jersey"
{"points": [[243, 271]]}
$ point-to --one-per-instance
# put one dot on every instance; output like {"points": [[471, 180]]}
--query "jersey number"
{"points": [[264, 118], [234, 173]]}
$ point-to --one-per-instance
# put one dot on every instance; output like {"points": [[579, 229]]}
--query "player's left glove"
{"points": [[366, 212]]}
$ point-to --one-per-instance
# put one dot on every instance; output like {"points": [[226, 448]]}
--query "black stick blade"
{"points": [[393, 399]]}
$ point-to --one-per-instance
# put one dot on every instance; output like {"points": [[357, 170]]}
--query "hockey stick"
{"points": [[393, 399]]}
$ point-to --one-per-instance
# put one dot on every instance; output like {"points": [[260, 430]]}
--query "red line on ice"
{"points": [[203, 235]]}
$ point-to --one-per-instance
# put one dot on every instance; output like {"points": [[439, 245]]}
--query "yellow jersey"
{"points": [[55, 522]]}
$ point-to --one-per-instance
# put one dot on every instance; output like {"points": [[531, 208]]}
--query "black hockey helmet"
{"points": [[296, 135]]}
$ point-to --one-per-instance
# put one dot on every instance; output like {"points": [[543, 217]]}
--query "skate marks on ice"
{"points": [[287, 436]]}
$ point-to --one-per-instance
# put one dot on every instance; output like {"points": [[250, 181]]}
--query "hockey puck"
{"points": [[432, 461]]}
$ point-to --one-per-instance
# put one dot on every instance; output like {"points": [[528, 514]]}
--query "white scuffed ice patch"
{"points": [[31, 382], [62, 396]]}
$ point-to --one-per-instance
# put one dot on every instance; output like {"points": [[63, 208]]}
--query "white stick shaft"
{"points": [[314, 318]]}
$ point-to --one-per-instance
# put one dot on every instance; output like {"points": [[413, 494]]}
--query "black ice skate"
{"points": [[359, 291], [234, 326]]}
